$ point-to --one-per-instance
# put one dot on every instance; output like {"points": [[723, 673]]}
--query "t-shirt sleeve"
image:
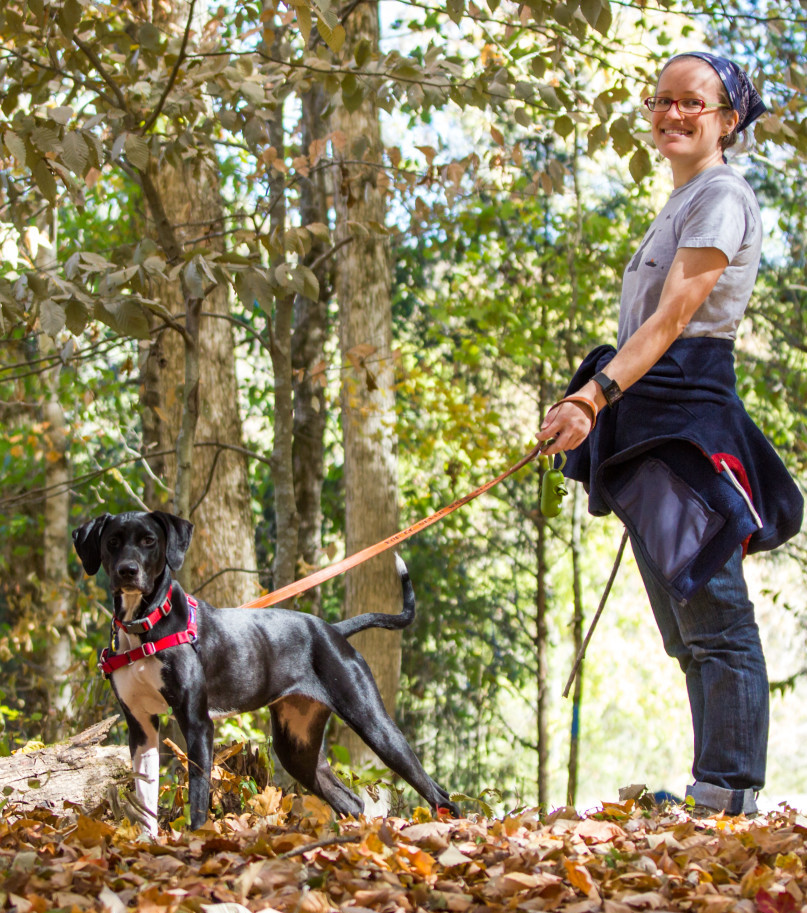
{"points": [[718, 217]]}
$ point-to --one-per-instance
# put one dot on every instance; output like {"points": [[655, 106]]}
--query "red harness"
{"points": [[111, 661]]}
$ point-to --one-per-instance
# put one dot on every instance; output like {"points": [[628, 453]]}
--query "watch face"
{"points": [[610, 388]]}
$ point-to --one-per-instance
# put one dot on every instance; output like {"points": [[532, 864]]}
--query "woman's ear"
{"points": [[730, 121]]}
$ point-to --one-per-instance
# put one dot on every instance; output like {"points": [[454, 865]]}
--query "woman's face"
{"points": [[691, 141]]}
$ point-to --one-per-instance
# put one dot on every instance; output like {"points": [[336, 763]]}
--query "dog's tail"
{"points": [[351, 626]]}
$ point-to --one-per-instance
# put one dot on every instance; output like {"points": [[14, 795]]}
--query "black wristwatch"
{"points": [[610, 388]]}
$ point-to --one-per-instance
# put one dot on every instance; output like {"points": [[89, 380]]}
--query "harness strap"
{"points": [[144, 625], [112, 661]]}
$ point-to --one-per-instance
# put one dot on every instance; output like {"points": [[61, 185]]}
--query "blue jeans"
{"points": [[716, 641]]}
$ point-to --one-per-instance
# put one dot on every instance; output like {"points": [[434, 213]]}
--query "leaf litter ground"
{"points": [[287, 854]]}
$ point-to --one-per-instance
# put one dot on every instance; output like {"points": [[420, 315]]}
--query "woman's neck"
{"points": [[684, 171]]}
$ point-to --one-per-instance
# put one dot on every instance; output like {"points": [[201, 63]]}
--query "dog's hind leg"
{"points": [[361, 707], [297, 727]]}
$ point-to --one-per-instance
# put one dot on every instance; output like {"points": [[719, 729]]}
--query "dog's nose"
{"points": [[127, 569]]}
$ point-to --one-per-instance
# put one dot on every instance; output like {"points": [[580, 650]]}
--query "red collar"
{"points": [[112, 661], [144, 625]]}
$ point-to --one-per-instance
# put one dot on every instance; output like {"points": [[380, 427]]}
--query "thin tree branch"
{"points": [[95, 60], [173, 77]]}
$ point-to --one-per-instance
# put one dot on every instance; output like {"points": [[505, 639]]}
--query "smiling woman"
{"points": [[676, 456], [690, 139]]}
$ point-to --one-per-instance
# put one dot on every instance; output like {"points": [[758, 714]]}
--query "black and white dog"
{"points": [[170, 652]]}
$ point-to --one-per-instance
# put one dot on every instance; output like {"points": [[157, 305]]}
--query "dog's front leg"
{"points": [[145, 753]]}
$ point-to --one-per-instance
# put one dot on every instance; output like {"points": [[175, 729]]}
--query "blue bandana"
{"points": [[743, 96]]}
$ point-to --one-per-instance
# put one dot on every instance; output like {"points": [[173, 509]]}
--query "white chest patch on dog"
{"points": [[139, 684], [130, 600]]}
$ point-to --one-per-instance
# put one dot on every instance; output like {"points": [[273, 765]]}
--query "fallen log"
{"points": [[78, 772]]}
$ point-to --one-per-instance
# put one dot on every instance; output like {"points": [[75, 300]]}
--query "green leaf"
{"points": [[362, 52], [304, 21], [455, 10], [324, 11], [563, 125], [603, 24], [640, 165], [69, 17], [76, 315], [353, 102], [127, 318], [549, 96], [46, 139], [621, 136], [149, 36], [254, 289], [15, 146], [60, 115], [523, 117], [597, 13], [137, 151], [193, 279], [75, 152], [43, 177], [310, 283], [253, 92], [51, 317], [334, 37]]}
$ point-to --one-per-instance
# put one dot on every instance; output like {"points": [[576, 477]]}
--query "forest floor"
{"points": [[287, 854]]}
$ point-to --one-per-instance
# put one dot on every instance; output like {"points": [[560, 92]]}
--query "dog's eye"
{"points": [[148, 541], [112, 543]]}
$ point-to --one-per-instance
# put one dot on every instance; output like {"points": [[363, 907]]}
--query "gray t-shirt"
{"points": [[718, 209]]}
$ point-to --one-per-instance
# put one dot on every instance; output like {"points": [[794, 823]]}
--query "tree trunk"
{"points": [[217, 497], [284, 568], [56, 539], [56, 534], [213, 489], [368, 402], [308, 363]]}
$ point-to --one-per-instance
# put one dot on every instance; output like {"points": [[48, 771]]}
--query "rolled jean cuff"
{"points": [[730, 801]]}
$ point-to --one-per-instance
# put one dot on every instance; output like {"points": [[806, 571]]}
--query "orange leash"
{"points": [[306, 583]]}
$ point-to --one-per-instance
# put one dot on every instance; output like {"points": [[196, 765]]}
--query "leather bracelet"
{"points": [[584, 401]]}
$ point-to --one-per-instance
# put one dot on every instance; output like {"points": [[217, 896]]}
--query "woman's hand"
{"points": [[568, 424]]}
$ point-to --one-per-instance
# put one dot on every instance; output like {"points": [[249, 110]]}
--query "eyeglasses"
{"points": [[687, 107]]}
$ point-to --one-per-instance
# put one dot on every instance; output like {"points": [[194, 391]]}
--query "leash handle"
{"points": [[326, 573]]}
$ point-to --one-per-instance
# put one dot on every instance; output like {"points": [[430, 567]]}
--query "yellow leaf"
{"points": [[304, 21], [579, 876]]}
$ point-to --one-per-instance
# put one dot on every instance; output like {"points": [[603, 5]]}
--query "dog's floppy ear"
{"points": [[87, 540], [178, 534]]}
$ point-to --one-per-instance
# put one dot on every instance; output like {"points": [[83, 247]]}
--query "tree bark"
{"points": [[367, 397], [308, 362], [56, 534], [287, 520]]}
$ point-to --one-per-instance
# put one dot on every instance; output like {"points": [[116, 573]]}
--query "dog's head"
{"points": [[134, 548]]}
